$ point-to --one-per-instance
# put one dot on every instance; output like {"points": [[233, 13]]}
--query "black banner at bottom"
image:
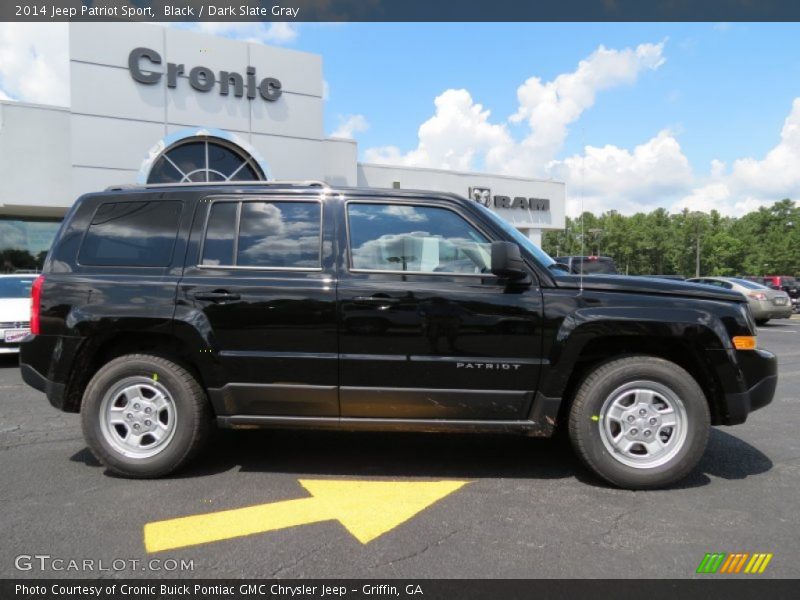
{"points": [[422, 589]]}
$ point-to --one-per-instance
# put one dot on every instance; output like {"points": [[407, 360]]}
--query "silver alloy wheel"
{"points": [[138, 417], [643, 424]]}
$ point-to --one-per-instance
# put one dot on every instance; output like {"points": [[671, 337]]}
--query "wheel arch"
{"points": [[92, 355], [600, 343]]}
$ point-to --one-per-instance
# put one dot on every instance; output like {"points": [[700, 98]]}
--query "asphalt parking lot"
{"points": [[527, 509]]}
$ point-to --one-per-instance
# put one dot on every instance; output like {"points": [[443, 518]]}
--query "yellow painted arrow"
{"points": [[367, 509]]}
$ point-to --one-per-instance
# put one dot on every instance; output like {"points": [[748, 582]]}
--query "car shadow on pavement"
{"points": [[345, 454], [9, 361]]}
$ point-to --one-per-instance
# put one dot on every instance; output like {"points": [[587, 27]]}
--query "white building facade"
{"points": [[156, 104]]}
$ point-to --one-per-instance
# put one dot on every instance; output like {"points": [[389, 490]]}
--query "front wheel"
{"points": [[640, 422], [144, 416], [761, 322]]}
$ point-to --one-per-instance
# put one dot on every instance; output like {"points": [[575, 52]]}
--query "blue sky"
{"points": [[715, 76], [636, 116]]}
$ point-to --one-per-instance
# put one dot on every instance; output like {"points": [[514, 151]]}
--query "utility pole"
{"points": [[698, 216], [697, 260]]}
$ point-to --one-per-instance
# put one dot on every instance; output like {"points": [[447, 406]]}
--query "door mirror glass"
{"points": [[507, 260]]}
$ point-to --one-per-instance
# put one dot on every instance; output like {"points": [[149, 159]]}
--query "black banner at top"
{"points": [[399, 10]]}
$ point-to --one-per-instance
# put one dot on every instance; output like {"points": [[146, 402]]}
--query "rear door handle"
{"points": [[380, 300], [217, 296]]}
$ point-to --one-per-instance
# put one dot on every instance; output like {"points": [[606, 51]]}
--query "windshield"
{"points": [[15, 287], [540, 255]]}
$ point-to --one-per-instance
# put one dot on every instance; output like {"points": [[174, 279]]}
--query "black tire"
{"points": [[192, 424], [761, 322], [605, 382]]}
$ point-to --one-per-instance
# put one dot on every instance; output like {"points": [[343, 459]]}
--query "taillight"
{"points": [[758, 295], [36, 301]]}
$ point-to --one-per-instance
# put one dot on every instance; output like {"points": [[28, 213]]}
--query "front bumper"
{"points": [[757, 379]]}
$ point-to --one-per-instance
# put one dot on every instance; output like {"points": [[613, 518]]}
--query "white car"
{"points": [[15, 310]]}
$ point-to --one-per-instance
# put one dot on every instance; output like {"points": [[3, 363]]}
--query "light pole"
{"points": [[698, 219]]}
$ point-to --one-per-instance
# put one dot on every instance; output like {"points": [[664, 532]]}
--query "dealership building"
{"points": [[153, 104]]}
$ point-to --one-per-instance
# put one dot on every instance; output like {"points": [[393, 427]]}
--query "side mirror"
{"points": [[507, 261]]}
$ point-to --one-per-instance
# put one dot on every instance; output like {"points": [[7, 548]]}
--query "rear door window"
{"points": [[264, 235], [131, 234]]}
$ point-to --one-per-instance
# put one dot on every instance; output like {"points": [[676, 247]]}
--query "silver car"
{"points": [[15, 311], [765, 303]]}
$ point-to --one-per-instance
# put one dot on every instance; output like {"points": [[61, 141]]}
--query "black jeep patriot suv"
{"points": [[164, 309]]}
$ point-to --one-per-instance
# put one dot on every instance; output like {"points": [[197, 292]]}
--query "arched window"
{"points": [[201, 159]]}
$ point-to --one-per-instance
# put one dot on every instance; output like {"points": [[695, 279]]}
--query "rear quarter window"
{"points": [[131, 234]]}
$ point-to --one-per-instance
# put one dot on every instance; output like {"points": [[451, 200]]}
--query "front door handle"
{"points": [[217, 296], [373, 300]]}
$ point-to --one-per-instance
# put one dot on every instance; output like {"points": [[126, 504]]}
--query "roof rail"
{"points": [[275, 182]]}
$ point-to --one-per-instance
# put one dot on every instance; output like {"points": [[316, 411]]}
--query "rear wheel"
{"points": [[144, 416], [640, 422], [760, 322]]}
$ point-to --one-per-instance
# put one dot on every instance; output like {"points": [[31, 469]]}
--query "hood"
{"points": [[647, 285], [15, 309]]}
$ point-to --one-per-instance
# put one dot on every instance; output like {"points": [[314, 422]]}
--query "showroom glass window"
{"points": [[204, 159], [24, 243], [140, 234], [271, 235], [423, 239]]}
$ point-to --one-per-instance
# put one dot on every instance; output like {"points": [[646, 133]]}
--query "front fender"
{"points": [[697, 329]]}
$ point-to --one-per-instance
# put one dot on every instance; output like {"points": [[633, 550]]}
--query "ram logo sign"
{"points": [[481, 195], [736, 562], [484, 196]]}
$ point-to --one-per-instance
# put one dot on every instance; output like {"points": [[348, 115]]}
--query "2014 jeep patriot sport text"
{"points": [[164, 309]]}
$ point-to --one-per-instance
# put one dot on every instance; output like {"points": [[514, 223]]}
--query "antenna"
{"points": [[583, 233]]}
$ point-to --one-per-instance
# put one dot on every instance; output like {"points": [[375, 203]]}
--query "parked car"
{"points": [[589, 265], [765, 303], [15, 311], [165, 309], [788, 284]]}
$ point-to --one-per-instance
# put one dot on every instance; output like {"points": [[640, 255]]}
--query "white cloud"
{"points": [[777, 175], [549, 108], [705, 198], [611, 177], [752, 183], [34, 62], [350, 125], [719, 197], [460, 135], [452, 138]]}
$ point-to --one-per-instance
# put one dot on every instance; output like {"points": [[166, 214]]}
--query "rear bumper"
{"points": [[46, 363], [768, 310], [758, 375], [53, 390]]}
